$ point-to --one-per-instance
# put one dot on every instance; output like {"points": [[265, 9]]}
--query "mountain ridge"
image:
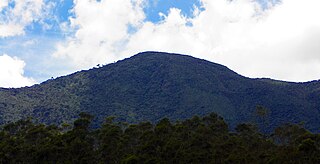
{"points": [[151, 85]]}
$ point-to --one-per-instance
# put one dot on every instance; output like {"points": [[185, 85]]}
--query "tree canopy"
{"points": [[204, 139]]}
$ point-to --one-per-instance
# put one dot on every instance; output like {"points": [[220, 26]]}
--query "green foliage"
{"points": [[197, 140]]}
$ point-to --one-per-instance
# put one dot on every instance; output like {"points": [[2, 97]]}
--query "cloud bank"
{"points": [[281, 41], [12, 74]]}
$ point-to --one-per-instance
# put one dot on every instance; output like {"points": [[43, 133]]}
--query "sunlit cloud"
{"points": [[12, 72]]}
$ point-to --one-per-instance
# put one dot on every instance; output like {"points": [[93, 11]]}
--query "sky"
{"points": [[43, 39]]}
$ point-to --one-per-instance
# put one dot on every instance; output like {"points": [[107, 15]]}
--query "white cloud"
{"points": [[280, 42], [102, 30], [3, 4], [23, 13], [10, 29], [220, 27], [284, 44], [11, 71], [170, 35]]}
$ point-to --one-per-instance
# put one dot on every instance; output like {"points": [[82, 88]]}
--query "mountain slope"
{"points": [[153, 85]]}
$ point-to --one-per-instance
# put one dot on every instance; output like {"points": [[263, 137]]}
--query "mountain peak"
{"points": [[152, 85]]}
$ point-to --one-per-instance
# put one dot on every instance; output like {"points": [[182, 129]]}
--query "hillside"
{"points": [[153, 85]]}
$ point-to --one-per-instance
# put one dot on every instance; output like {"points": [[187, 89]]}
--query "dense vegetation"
{"points": [[153, 85], [196, 140]]}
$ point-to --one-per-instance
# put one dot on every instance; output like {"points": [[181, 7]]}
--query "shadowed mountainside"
{"points": [[153, 85]]}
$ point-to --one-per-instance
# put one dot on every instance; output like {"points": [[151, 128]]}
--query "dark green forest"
{"points": [[204, 139]]}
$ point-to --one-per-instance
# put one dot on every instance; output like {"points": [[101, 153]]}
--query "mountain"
{"points": [[153, 85]]}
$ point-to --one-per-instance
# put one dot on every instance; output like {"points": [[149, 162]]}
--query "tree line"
{"points": [[204, 139]]}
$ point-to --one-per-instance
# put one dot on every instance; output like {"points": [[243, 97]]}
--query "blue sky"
{"points": [[46, 38]]}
